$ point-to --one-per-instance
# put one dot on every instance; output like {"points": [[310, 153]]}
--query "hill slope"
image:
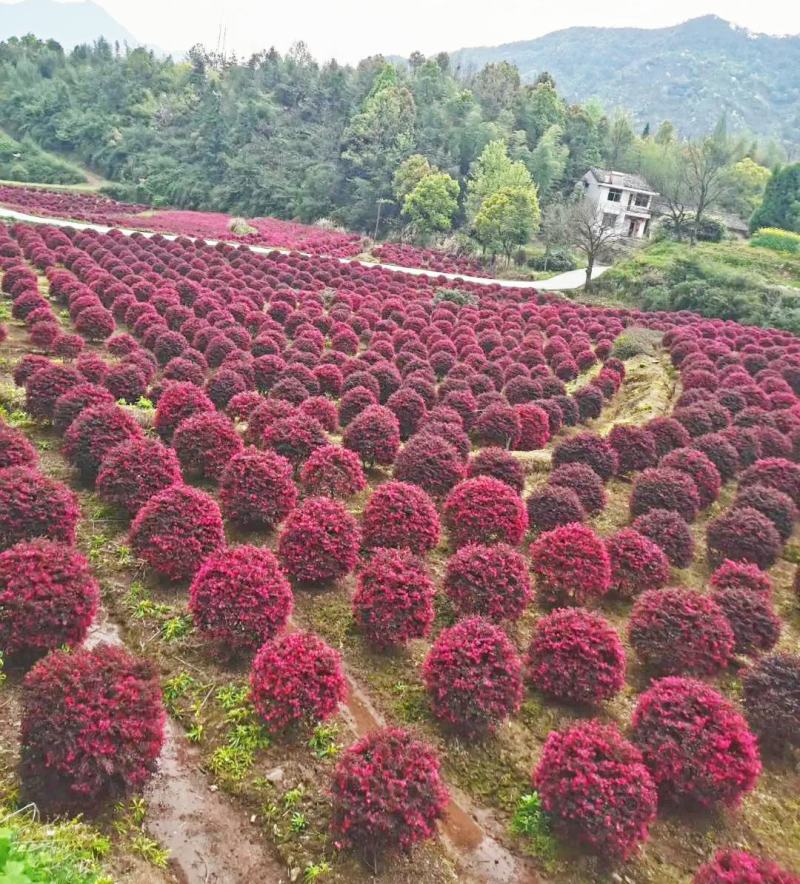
{"points": [[688, 73], [68, 23]]}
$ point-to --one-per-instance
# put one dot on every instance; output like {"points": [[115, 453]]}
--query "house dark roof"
{"points": [[621, 179]]}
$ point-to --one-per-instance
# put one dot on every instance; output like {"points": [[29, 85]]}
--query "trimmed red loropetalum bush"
{"points": [[570, 565], [176, 530], [589, 449], [176, 403], [778, 507], [15, 449], [48, 598], [743, 535], [594, 784], [332, 471], [534, 427], [697, 747], [205, 444], [637, 563], [74, 401], [33, 505], [739, 867], [756, 627], [132, 472], [699, 468], [576, 656], [499, 425], [388, 793], [296, 680], [473, 676], [94, 433], [670, 532], [319, 541], [775, 472], [499, 464], [741, 575], [431, 462], [721, 453], [256, 489], [680, 632], [295, 437], [400, 515], [665, 489], [394, 599], [635, 447], [374, 435], [92, 727], [771, 698], [45, 386], [585, 482], [488, 581], [550, 506], [484, 510], [240, 597]]}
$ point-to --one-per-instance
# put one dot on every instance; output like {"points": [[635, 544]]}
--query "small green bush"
{"points": [[556, 261], [636, 341], [777, 240], [455, 296]]}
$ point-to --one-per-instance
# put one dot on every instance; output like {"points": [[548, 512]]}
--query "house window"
{"points": [[642, 200], [614, 195], [609, 219]]}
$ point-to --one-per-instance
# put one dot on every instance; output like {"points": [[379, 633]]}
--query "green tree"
{"points": [[409, 174], [507, 217], [746, 181], [781, 204], [662, 165], [431, 205], [548, 161], [706, 162], [493, 170]]}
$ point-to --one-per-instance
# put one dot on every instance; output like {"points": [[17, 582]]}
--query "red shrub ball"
{"points": [[586, 448], [721, 452], [534, 427], [499, 425], [409, 408], [699, 468], [332, 471], [132, 472], [92, 727], [296, 680], [550, 506], [431, 462], [295, 437], [595, 786], [635, 447], [319, 541], [176, 530], [95, 323], [570, 565], [484, 510], [400, 515], [473, 676], [489, 581], [353, 402], [637, 563], [741, 575], [771, 698], [499, 464], [176, 403], [240, 597], [756, 627], [44, 387], [15, 450], [93, 433], [589, 400], [48, 598], [669, 532], [778, 507], [388, 793], [665, 489], [680, 632], [575, 656], [126, 381], [775, 472], [74, 401], [33, 505], [743, 535], [738, 867], [585, 482], [256, 489], [374, 435], [697, 747], [205, 444], [394, 599]]}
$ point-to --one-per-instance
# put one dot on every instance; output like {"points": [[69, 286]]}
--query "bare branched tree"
{"points": [[588, 235], [706, 162]]}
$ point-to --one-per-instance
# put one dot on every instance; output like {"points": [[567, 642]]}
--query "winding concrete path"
{"points": [[572, 279]]}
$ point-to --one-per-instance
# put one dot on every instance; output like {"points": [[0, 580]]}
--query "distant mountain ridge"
{"points": [[689, 73]]}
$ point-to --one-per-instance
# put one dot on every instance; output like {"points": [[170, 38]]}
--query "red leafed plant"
{"points": [[589, 449], [699, 468], [176, 530], [771, 698], [319, 541], [741, 575], [484, 510], [550, 506], [665, 489], [756, 627], [570, 565], [74, 401], [740, 867], [401, 515], [635, 447], [393, 602], [240, 597], [637, 563], [295, 437], [743, 535], [576, 656], [431, 462], [15, 449], [778, 507], [93, 433], [597, 789], [296, 680], [256, 489], [205, 444], [534, 427], [585, 482], [388, 793], [775, 472], [33, 505], [48, 598], [332, 471], [670, 532], [374, 435], [92, 727], [499, 464], [473, 676], [176, 403], [488, 581], [132, 472], [45, 385]]}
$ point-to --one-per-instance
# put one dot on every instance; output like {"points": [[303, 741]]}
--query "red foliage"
{"points": [[93, 433], [176, 403], [473, 676], [374, 435], [484, 510], [33, 505], [670, 532], [576, 656], [499, 424], [775, 472], [44, 387], [697, 747], [741, 575], [205, 444], [400, 515], [778, 507], [756, 627], [699, 468], [570, 565], [771, 698], [394, 599], [637, 563], [295, 437], [499, 464], [92, 727], [256, 489], [387, 793], [489, 581], [332, 471], [126, 381], [132, 472], [680, 632], [739, 867], [15, 450], [534, 427], [176, 530], [74, 401], [431, 462], [743, 535], [585, 482], [721, 452], [319, 541], [597, 789], [296, 680], [550, 506], [589, 449], [668, 434], [665, 489], [409, 408], [635, 447]]}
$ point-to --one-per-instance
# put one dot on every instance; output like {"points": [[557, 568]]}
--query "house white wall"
{"points": [[623, 214]]}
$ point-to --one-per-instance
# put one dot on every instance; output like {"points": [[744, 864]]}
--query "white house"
{"points": [[624, 202]]}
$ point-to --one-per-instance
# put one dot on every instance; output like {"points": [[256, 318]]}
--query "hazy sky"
{"points": [[352, 29]]}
